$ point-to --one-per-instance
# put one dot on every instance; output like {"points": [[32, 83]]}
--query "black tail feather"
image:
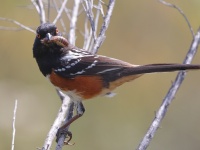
{"points": [[159, 68], [151, 68]]}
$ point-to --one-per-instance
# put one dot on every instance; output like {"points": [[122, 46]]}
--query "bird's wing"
{"points": [[81, 63]]}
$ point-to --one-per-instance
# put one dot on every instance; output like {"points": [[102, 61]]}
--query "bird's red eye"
{"points": [[38, 35]]}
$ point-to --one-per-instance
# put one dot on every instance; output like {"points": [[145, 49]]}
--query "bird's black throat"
{"points": [[46, 56]]}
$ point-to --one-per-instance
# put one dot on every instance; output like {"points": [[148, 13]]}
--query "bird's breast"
{"points": [[79, 87]]}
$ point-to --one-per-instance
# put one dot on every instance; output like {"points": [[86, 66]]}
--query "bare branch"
{"points": [[99, 9], [182, 13], [67, 12], [11, 28], [88, 9], [61, 20], [73, 21], [175, 86], [60, 11], [104, 27], [17, 23], [87, 35], [41, 12], [14, 118], [48, 10], [62, 138], [65, 109], [36, 6], [170, 95]]}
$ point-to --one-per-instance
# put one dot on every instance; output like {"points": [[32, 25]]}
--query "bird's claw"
{"points": [[68, 135]]}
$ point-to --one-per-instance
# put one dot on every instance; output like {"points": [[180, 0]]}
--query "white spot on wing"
{"points": [[107, 70], [92, 65], [75, 54]]}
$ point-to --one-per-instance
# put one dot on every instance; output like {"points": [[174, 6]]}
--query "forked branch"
{"points": [[160, 114]]}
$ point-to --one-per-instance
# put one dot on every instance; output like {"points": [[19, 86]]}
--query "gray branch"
{"points": [[61, 20], [60, 11], [182, 13], [92, 42], [17, 23], [104, 27], [170, 96], [40, 9], [64, 110], [72, 37], [14, 130], [174, 88]]}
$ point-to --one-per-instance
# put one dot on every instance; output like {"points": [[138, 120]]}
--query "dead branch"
{"points": [[17, 23], [14, 130], [64, 110], [173, 89]]}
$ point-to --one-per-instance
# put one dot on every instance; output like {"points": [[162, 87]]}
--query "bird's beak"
{"points": [[47, 39], [48, 36]]}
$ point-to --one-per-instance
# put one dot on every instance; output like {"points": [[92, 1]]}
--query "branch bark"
{"points": [[72, 37], [17, 23], [14, 130], [170, 96], [65, 110], [175, 86]]}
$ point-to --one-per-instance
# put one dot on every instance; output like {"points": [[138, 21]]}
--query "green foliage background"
{"points": [[140, 32]]}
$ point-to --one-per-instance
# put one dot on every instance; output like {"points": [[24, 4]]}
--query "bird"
{"points": [[83, 75]]}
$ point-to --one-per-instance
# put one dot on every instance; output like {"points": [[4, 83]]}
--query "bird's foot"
{"points": [[67, 134]]}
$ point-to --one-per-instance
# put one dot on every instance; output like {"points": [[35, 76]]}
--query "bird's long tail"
{"points": [[159, 68], [134, 72]]}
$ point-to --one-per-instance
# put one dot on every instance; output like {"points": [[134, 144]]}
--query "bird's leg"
{"points": [[79, 112]]}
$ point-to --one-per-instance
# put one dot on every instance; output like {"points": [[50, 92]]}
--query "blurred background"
{"points": [[140, 32]]}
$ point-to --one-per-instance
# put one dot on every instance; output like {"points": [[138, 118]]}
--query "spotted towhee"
{"points": [[81, 74]]}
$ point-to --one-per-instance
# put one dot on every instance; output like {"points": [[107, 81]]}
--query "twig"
{"points": [[60, 11], [36, 6], [61, 20], [48, 10], [175, 86], [99, 9], [67, 11], [88, 9], [11, 28], [65, 109], [39, 5], [69, 115], [182, 13], [104, 27], [73, 21], [87, 35], [13, 126], [170, 95], [17, 23]]}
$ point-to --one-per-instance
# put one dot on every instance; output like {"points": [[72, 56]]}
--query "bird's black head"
{"points": [[46, 28], [39, 48], [46, 54]]}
